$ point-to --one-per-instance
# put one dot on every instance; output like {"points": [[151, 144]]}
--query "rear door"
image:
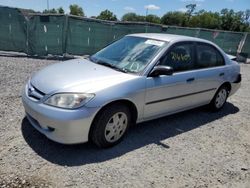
{"points": [[210, 70]]}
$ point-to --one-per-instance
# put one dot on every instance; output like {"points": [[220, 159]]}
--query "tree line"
{"points": [[226, 19]]}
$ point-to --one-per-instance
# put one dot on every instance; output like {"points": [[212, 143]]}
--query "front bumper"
{"points": [[60, 125]]}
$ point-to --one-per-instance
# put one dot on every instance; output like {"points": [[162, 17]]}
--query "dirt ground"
{"points": [[196, 148]]}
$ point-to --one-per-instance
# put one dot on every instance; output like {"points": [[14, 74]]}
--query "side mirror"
{"points": [[161, 70]]}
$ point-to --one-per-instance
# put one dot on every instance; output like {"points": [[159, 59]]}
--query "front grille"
{"points": [[34, 93]]}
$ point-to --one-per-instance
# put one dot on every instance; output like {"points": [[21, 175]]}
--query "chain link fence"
{"points": [[39, 34]]}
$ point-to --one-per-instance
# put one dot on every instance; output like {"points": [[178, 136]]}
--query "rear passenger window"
{"points": [[180, 57], [208, 56]]}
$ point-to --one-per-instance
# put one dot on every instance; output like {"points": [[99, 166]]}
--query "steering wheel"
{"points": [[134, 66]]}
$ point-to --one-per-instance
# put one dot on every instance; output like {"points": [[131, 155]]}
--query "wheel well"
{"points": [[228, 85], [129, 104]]}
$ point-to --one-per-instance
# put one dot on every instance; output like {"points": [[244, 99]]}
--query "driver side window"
{"points": [[180, 57]]}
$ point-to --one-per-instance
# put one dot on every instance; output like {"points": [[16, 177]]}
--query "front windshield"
{"points": [[130, 54]]}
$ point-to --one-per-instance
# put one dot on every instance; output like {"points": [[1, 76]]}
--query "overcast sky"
{"points": [[120, 7]]}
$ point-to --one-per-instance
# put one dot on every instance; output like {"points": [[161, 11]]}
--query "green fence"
{"points": [[181, 31], [13, 27], [86, 36], [246, 46], [228, 41], [39, 34], [46, 35]]}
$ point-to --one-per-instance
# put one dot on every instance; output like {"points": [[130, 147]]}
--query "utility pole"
{"points": [[146, 20], [48, 5]]}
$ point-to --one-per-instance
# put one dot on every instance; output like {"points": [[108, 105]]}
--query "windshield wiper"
{"points": [[111, 66]]}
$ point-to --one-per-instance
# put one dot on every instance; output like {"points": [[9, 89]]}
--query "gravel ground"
{"points": [[196, 148]]}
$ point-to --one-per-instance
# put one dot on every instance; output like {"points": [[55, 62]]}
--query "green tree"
{"points": [[60, 10], [231, 20], [107, 15], [205, 19], [247, 15], [129, 17], [153, 19], [174, 18], [200, 12], [247, 20], [190, 10], [132, 17], [50, 11], [76, 10], [226, 20], [141, 18]]}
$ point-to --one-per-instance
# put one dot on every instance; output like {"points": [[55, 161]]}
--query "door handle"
{"points": [[222, 74], [190, 80]]}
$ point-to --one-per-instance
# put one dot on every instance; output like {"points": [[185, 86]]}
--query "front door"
{"points": [[169, 94]]}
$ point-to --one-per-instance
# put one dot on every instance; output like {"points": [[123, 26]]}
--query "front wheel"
{"points": [[110, 125], [219, 99]]}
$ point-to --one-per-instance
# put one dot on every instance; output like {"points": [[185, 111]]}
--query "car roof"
{"points": [[168, 37]]}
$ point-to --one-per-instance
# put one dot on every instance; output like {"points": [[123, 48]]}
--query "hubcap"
{"points": [[116, 127], [221, 98]]}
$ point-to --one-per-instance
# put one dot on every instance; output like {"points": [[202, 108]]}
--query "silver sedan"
{"points": [[137, 78]]}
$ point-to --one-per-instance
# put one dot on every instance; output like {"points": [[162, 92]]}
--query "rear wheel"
{"points": [[219, 99], [111, 125]]}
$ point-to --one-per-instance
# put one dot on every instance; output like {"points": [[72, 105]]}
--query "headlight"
{"points": [[69, 100]]}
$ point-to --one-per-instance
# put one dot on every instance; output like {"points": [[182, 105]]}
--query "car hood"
{"points": [[78, 75]]}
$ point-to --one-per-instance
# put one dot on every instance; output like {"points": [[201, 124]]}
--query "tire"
{"points": [[219, 99], [110, 125]]}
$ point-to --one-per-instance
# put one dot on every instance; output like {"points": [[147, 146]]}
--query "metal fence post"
{"points": [[65, 35], [27, 36], [242, 42]]}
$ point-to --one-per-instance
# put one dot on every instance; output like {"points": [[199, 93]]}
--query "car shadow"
{"points": [[152, 132]]}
